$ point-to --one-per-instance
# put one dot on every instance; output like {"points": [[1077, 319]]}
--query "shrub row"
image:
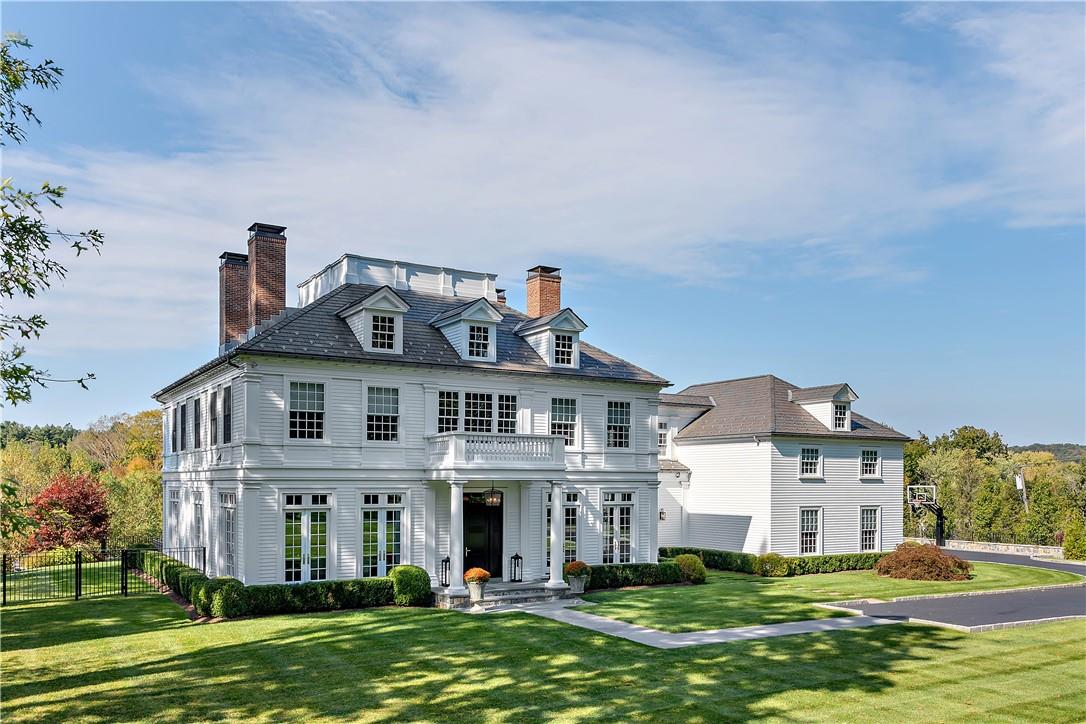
{"points": [[226, 597], [619, 575], [773, 564]]}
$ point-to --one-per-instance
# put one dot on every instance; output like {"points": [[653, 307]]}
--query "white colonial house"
{"points": [[404, 413], [759, 465]]}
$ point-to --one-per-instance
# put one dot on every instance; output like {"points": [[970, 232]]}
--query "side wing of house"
{"points": [[847, 500]]}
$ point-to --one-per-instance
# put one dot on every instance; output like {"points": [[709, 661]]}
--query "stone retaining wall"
{"points": [[1014, 548]]}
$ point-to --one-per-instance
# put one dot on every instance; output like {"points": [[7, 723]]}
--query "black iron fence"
{"points": [[66, 573]]}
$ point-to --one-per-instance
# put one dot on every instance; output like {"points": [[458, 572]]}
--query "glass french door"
{"points": [[382, 540], [305, 546], [617, 527]]}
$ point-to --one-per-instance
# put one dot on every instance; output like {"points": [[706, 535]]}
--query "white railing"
{"points": [[481, 449]]}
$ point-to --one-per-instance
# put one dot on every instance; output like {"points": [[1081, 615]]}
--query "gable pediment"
{"points": [[565, 320], [384, 299], [478, 310]]}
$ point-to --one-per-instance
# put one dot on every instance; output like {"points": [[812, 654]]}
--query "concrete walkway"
{"points": [[560, 611]]}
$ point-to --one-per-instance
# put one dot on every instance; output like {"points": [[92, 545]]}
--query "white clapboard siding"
{"points": [[669, 531]]}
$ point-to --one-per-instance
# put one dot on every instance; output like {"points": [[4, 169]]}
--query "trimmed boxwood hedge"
{"points": [[411, 586], [619, 575], [229, 598], [797, 566]]}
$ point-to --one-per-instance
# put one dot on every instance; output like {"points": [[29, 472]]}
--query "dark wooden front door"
{"points": [[483, 533]]}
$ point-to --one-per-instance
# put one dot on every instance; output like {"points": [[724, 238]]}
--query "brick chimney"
{"points": [[544, 291], [500, 295], [267, 272], [233, 297]]}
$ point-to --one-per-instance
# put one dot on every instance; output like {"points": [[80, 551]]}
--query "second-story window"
{"points": [[197, 418], [478, 341], [507, 414], [383, 332], [213, 416], [563, 350], [448, 411], [306, 410], [173, 430], [383, 414], [184, 426], [661, 435], [564, 419], [478, 412], [809, 462], [227, 414], [840, 416], [618, 424], [869, 463]]}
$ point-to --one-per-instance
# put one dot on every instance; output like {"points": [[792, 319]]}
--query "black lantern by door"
{"points": [[516, 565], [446, 563]]}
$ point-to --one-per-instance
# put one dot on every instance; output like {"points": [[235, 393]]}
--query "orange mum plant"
{"points": [[476, 575], [576, 569]]}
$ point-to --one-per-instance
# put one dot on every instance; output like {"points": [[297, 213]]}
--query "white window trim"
{"points": [[578, 440], [329, 522], [878, 528], [799, 529], [632, 447], [405, 522], [820, 475], [576, 360], [878, 464], [848, 416], [399, 387], [397, 334], [326, 438], [581, 520], [635, 517], [492, 347]]}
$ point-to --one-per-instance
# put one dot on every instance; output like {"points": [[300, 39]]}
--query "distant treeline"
{"points": [[1065, 452]]}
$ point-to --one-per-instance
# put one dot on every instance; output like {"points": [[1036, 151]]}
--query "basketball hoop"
{"points": [[919, 495]]}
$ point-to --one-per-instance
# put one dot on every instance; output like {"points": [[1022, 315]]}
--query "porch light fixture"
{"points": [[663, 514], [492, 497], [446, 563], [516, 565]]}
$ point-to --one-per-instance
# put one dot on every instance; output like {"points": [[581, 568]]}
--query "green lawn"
{"points": [[736, 599], [140, 658]]}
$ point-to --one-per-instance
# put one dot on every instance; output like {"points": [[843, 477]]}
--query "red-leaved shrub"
{"points": [[72, 510], [923, 563]]}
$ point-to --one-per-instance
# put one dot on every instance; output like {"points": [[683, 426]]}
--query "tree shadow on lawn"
{"points": [[393, 664]]}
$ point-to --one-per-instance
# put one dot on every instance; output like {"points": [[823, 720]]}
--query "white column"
{"points": [[456, 539], [558, 500]]}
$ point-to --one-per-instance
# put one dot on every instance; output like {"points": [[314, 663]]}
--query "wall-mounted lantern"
{"points": [[516, 566]]}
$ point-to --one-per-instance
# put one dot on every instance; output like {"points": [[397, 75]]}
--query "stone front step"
{"points": [[499, 597]]}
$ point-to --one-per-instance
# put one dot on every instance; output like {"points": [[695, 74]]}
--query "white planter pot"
{"points": [[475, 591], [577, 584]]}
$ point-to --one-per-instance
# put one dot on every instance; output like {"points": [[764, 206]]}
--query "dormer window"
{"points": [[840, 416], [383, 332], [377, 321], [563, 350], [478, 341]]}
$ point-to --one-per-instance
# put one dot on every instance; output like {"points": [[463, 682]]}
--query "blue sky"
{"points": [[888, 195]]}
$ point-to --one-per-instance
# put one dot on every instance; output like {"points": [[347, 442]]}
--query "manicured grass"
{"points": [[140, 658], [736, 599]]}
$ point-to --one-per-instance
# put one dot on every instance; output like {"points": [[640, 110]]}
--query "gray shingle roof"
{"points": [[760, 406], [690, 400], [317, 332], [822, 392], [672, 465]]}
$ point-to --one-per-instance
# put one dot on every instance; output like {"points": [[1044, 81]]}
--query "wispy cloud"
{"points": [[492, 139]]}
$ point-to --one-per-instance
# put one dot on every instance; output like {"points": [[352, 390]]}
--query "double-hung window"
{"points": [[809, 531], [306, 411], [563, 350], [228, 522], [448, 411], [840, 416], [478, 412], [173, 430], [564, 419], [383, 332], [213, 416], [227, 415], [618, 527], [383, 414], [184, 426], [175, 515], [507, 414], [810, 462], [618, 424], [478, 341], [869, 529], [869, 463], [661, 435], [197, 418]]}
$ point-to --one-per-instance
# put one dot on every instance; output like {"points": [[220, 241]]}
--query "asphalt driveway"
{"points": [[991, 610]]}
